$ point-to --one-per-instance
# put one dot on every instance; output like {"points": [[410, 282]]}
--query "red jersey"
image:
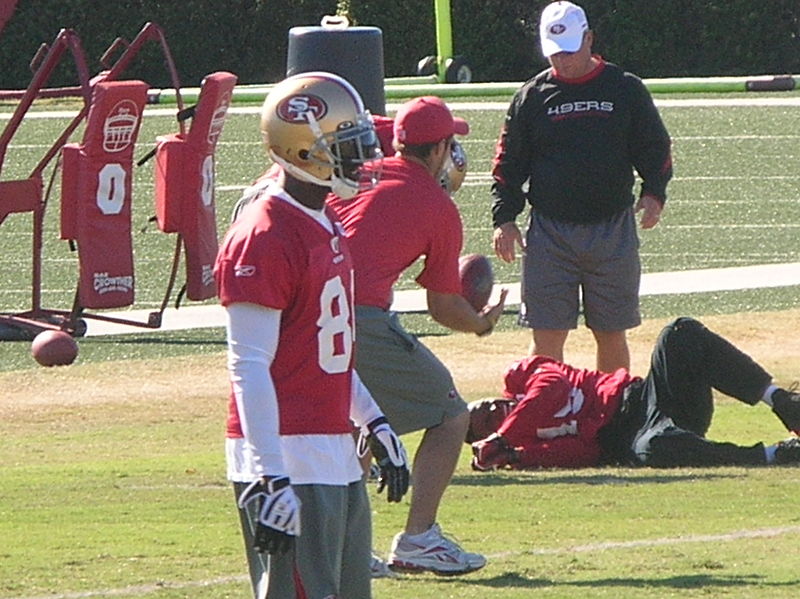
{"points": [[407, 215], [560, 411], [277, 256], [384, 129]]}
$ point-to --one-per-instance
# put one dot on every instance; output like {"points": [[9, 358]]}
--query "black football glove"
{"points": [[278, 514], [389, 454]]}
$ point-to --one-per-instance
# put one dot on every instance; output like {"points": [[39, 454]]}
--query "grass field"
{"points": [[733, 202], [112, 484], [111, 470]]}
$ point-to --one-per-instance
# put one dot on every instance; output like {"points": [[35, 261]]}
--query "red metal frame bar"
{"points": [[43, 64]]}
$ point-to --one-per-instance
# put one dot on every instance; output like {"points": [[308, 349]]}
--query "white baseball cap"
{"points": [[561, 28]]}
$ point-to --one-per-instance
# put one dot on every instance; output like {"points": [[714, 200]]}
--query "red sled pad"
{"points": [[184, 182], [23, 195], [96, 194]]}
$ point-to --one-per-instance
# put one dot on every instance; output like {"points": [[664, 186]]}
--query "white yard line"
{"points": [[787, 101], [680, 540], [659, 283], [763, 533], [144, 589]]}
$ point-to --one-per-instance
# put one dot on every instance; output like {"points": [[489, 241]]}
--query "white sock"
{"points": [[767, 397], [419, 536], [769, 453]]}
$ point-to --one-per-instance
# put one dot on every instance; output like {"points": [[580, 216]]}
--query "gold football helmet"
{"points": [[455, 168], [316, 127]]}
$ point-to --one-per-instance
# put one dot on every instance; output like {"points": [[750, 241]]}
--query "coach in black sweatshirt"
{"points": [[571, 140]]}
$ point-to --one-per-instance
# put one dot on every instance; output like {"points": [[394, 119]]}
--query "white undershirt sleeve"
{"points": [[253, 333], [363, 408]]}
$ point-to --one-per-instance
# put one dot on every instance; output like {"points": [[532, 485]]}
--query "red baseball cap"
{"points": [[426, 120]]}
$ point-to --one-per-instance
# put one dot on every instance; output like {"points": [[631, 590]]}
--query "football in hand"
{"points": [[54, 348], [477, 279]]}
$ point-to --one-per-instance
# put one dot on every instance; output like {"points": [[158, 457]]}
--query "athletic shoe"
{"points": [[786, 405], [378, 567], [491, 453], [431, 551], [788, 451]]}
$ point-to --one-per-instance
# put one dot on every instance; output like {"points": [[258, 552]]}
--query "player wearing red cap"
{"points": [[407, 216]]}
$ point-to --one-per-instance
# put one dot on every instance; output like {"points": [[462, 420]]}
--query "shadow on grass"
{"points": [[495, 480], [692, 581]]}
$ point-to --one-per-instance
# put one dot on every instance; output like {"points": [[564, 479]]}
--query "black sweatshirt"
{"points": [[576, 143]]}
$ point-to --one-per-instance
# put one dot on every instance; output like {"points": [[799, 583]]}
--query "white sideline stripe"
{"points": [[661, 103], [659, 283], [254, 142], [144, 589], [476, 179], [763, 533]]}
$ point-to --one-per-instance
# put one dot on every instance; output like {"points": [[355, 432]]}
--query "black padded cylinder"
{"points": [[355, 53]]}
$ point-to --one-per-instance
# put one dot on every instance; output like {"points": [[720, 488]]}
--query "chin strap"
{"points": [[338, 186], [297, 172], [343, 189]]}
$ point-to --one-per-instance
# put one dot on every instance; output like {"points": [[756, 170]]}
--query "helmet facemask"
{"points": [[454, 169], [486, 416], [352, 152]]}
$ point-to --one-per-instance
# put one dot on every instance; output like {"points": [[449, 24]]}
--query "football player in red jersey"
{"points": [[285, 279], [556, 415], [406, 216]]}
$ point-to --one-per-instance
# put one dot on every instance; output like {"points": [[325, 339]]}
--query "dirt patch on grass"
{"points": [[477, 365], [185, 379]]}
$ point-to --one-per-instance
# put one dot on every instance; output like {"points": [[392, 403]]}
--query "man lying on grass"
{"points": [[555, 415]]}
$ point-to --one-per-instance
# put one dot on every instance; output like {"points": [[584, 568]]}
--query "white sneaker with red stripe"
{"points": [[431, 551], [378, 568]]}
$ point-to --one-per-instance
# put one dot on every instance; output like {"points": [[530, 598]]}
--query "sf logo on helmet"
{"points": [[294, 108]]}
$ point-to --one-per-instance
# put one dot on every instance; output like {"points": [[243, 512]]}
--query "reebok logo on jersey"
{"points": [[582, 106], [245, 270]]}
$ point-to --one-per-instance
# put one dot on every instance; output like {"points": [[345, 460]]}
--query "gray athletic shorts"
{"points": [[411, 385], [596, 265], [332, 554]]}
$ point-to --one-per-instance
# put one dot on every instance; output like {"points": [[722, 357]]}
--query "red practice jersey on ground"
{"points": [[406, 216], [277, 256], [560, 411]]}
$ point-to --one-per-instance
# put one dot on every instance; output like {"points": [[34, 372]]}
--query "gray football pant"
{"points": [[332, 554]]}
